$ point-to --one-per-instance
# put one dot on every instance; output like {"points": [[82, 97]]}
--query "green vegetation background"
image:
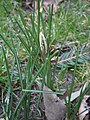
{"points": [[8, 5]]}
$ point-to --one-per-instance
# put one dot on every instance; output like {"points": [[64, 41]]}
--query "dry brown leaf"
{"points": [[51, 2], [3, 118], [76, 94], [84, 108], [45, 5], [43, 44], [54, 107]]}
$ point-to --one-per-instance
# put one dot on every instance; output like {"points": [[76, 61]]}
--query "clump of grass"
{"points": [[23, 38]]}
